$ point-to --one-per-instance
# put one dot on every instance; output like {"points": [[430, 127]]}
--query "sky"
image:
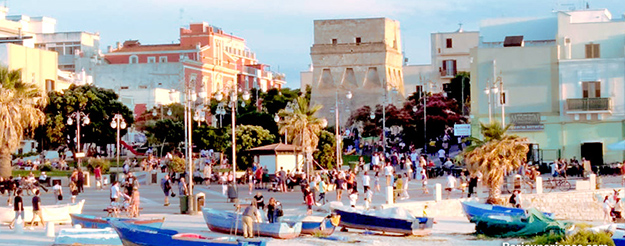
{"points": [[280, 32]]}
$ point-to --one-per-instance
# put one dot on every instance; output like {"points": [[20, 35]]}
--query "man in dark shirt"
{"points": [[36, 210], [18, 207]]}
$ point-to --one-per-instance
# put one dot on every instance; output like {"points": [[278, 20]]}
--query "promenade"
{"points": [[454, 230]]}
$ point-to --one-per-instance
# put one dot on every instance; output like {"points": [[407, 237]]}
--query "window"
{"points": [[124, 88], [151, 59], [358, 40], [133, 59], [449, 68], [334, 41], [592, 51], [503, 98], [162, 59], [513, 41], [143, 87], [449, 43], [591, 89]]}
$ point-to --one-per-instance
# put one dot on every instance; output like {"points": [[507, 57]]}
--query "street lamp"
{"points": [[118, 123], [81, 119], [221, 111], [372, 116], [339, 160], [233, 105], [154, 113]]}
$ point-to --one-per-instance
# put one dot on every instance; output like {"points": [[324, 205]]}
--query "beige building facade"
{"points": [[361, 56], [563, 82]]}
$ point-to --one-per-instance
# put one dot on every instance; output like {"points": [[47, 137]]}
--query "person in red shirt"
{"points": [[259, 177], [98, 177]]}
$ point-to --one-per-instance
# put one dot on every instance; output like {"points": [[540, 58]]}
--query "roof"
{"points": [[275, 148], [152, 47]]}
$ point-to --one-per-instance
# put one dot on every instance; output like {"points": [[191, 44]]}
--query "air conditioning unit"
{"points": [[567, 40]]}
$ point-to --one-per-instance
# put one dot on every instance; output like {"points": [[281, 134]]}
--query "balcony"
{"points": [[448, 73], [589, 105]]}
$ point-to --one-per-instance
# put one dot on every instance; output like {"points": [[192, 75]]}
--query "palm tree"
{"points": [[20, 110], [495, 156], [301, 124]]}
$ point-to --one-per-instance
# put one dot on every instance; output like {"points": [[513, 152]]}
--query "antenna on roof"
{"points": [[460, 27]]}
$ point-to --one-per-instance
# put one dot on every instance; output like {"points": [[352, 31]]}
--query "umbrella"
{"points": [[617, 146]]}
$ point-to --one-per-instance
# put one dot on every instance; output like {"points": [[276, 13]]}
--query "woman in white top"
{"points": [[607, 208]]}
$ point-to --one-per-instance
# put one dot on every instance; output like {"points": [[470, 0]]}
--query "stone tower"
{"points": [[358, 55]]}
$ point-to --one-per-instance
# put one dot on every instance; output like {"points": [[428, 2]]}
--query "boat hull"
{"points": [[51, 213], [226, 222], [89, 221], [619, 241], [324, 227], [420, 226], [138, 235], [475, 210]]}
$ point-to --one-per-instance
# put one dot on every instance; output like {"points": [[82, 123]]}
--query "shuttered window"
{"points": [[592, 51]]}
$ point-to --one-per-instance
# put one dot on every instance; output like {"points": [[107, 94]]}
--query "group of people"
{"points": [[37, 164], [125, 198]]}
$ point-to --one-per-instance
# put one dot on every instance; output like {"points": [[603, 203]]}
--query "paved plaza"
{"points": [[448, 231]]}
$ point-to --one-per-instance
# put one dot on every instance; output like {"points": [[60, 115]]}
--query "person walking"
{"points": [[99, 184], [321, 187], [80, 181], [36, 210], [18, 207], [58, 192], [250, 214], [166, 186]]}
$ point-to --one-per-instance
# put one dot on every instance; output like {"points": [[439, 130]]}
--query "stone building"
{"points": [[358, 55]]}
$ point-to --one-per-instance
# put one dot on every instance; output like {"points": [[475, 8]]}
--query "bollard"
{"points": [[19, 225], [50, 229], [539, 185], [389, 194], [439, 192], [593, 181]]}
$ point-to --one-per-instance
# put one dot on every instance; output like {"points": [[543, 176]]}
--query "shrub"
{"points": [[46, 168], [547, 239], [585, 237], [176, 164], [92, 163]]}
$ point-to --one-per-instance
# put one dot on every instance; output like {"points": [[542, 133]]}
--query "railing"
{"points": [[448, 73], [589, 104]]}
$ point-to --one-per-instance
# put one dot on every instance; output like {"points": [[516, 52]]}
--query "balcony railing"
{"points": [[589, 104], [448, 73]]}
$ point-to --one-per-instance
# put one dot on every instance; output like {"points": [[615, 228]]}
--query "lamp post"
{"points": [[154, 113], [490, 90], [221, 111], [118, 123], [372, 116], [81, 119], [277, 120], [339, 160], [233, 105]]}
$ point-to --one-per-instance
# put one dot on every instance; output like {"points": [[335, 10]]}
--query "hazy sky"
{"points": [[280, 32]]}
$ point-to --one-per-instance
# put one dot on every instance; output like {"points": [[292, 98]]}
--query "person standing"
{"points": [[249, 215], [36, 210], [451, 184], [135, 202], [58, 192], [166, 186], [282, 179], [366, 180], [404, 194], [472, 184], [182, 187], [18, 207], [376, 181], [98, 177], [271, 210], [223, 179], [321, 187], [441, 155], [114, 192], [80, 184]]}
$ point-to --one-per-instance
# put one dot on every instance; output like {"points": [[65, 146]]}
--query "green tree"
{"points": [[20, 110], [168, 132], [494, 156], [303, 127], [99, 104], [326, 150], [208, 137], [250, 137], [459, 88]]}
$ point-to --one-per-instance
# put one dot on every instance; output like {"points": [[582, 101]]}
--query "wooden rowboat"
{"points": [[230, 222], [475, 210], [133, 235], [317, 225], [90, 221], [51, 213], [364, 220]]}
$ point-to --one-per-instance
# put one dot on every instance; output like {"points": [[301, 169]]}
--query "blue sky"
{"points": [[281, 31]]}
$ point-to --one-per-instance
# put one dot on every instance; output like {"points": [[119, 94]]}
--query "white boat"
{"points": [[58, 214]]}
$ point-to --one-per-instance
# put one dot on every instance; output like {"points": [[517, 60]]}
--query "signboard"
{"points": [[462, 130], [526, 122], [80, 154]]}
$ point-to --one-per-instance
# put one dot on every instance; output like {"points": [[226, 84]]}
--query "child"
{"points": [[134, 202], [424, 182], [309, 200], [377, 181], [353, 197], [368, 196]]}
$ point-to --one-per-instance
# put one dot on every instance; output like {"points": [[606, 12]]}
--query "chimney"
{"points": [[119, 45], [109, 48]]}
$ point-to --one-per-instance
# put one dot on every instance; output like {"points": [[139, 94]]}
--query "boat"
{"points": [[318, 225], [384, 220], [133, 235], [51, 213], [90, 221], [473, 210], [619, 241], [531, 224], [230, 222], [91, 237]]}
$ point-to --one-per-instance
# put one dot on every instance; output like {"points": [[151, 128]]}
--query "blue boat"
{"points": [[475, 210], [357, 219], [230, 222], [90, 221], [316, 225], [619, 241], [138, 235]]}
